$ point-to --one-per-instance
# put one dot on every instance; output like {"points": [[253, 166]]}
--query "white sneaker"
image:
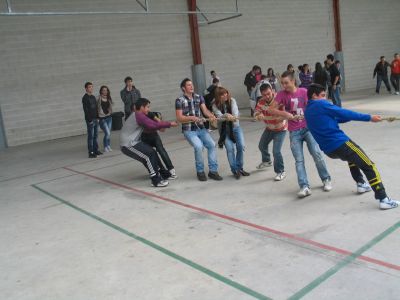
{"points": [[106, 150], [264, 165], [162, 183], [388, 203], [363, 188], [304, 192], [280, 176], [109, 149], [396, 93], [173, 175], [327, 185]]}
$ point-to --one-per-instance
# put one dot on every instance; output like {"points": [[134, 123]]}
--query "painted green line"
{"points": [[348, 259], [186, 261]]}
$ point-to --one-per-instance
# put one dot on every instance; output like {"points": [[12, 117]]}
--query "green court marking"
{"points": [[186, 261], [348, 259]]}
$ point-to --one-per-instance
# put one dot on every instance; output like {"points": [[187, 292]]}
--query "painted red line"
{"points": [[235, 220]]}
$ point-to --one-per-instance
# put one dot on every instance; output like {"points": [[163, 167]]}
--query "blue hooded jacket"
{"points": [[323, 120]]}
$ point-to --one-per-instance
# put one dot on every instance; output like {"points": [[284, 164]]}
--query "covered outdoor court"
{"points": [[79, 228]]}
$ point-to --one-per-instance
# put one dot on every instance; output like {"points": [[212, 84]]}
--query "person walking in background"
{"points": [[323, 120], [381, 73], [230, 132], [395, 73], [305, 76], [329, 83], [335, 80], [294, 100], [89, 104], [129, 95], [104, 110], [272, 79], [213, 75], [320, 75], [132, 146], [188, 109], [250, 82]]}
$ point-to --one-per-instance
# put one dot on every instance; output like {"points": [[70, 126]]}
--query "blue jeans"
{"points": [[278, 137], [105, 125], [296, 145], [336, 96], [235, 159], [92, 132], [198, 139], [379, 79]]}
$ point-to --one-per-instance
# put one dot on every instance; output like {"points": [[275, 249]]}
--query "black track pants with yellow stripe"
{"points": [[358, 160]]}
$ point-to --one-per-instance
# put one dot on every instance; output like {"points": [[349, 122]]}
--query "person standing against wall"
{"points": [[129, 95], [89, 104], [381, 73], [250, 82], [335, 80], [395, 76], [104, 109]]}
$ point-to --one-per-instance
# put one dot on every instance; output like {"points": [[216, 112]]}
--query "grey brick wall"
{"points": [[269, 34], [46, 60], [370, 29]]}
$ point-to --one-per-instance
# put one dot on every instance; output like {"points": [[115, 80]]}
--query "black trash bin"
{"points": [[117, 120]]}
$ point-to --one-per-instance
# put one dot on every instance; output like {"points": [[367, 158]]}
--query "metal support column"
{"points": [[338, 41], [198, 70]]}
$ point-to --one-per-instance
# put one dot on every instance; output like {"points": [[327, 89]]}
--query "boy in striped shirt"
{"points": [[275, 118]]}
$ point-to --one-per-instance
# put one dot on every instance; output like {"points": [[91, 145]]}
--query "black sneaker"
{"points": [[201, 176], [214, 175], [236, 174], [92, 155], [99, 153], [244, 173]]}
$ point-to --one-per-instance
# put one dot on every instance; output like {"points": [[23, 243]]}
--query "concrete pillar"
{"points": [[199, 78], [3, 141]]}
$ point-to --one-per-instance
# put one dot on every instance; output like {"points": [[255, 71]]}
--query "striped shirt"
{"points": [[275, 124]]}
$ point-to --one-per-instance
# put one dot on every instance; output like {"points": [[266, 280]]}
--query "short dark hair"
{"points": [[87, 84], [382, 56], [141, 102], [314, 88], [211, 72], [396, 54], [265, 86], [128, 78], [215, 80], [184, 81], [330, 57], [287, 74], [337, 61], [256, 67]]}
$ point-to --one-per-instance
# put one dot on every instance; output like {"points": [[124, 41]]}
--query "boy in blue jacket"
{"points": [[322, 120]]}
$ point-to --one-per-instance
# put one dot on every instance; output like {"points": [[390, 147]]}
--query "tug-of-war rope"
{"points": [[233, 119]]}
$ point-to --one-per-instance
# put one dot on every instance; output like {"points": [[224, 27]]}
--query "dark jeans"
{"points": [[358, 160], [147, 156], [153, 139], [379, 80], [395, 80], [92, 132]]}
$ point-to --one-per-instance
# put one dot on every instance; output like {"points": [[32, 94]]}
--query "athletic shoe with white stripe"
{"points": [[388, 203], [161, 183], [363, 188]]}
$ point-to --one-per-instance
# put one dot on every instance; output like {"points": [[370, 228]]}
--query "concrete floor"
{"points": [[79, 228]]}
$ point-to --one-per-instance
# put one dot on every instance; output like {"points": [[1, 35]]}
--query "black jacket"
{"points": [[89, 104], [381, 70], [250, 81]]}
